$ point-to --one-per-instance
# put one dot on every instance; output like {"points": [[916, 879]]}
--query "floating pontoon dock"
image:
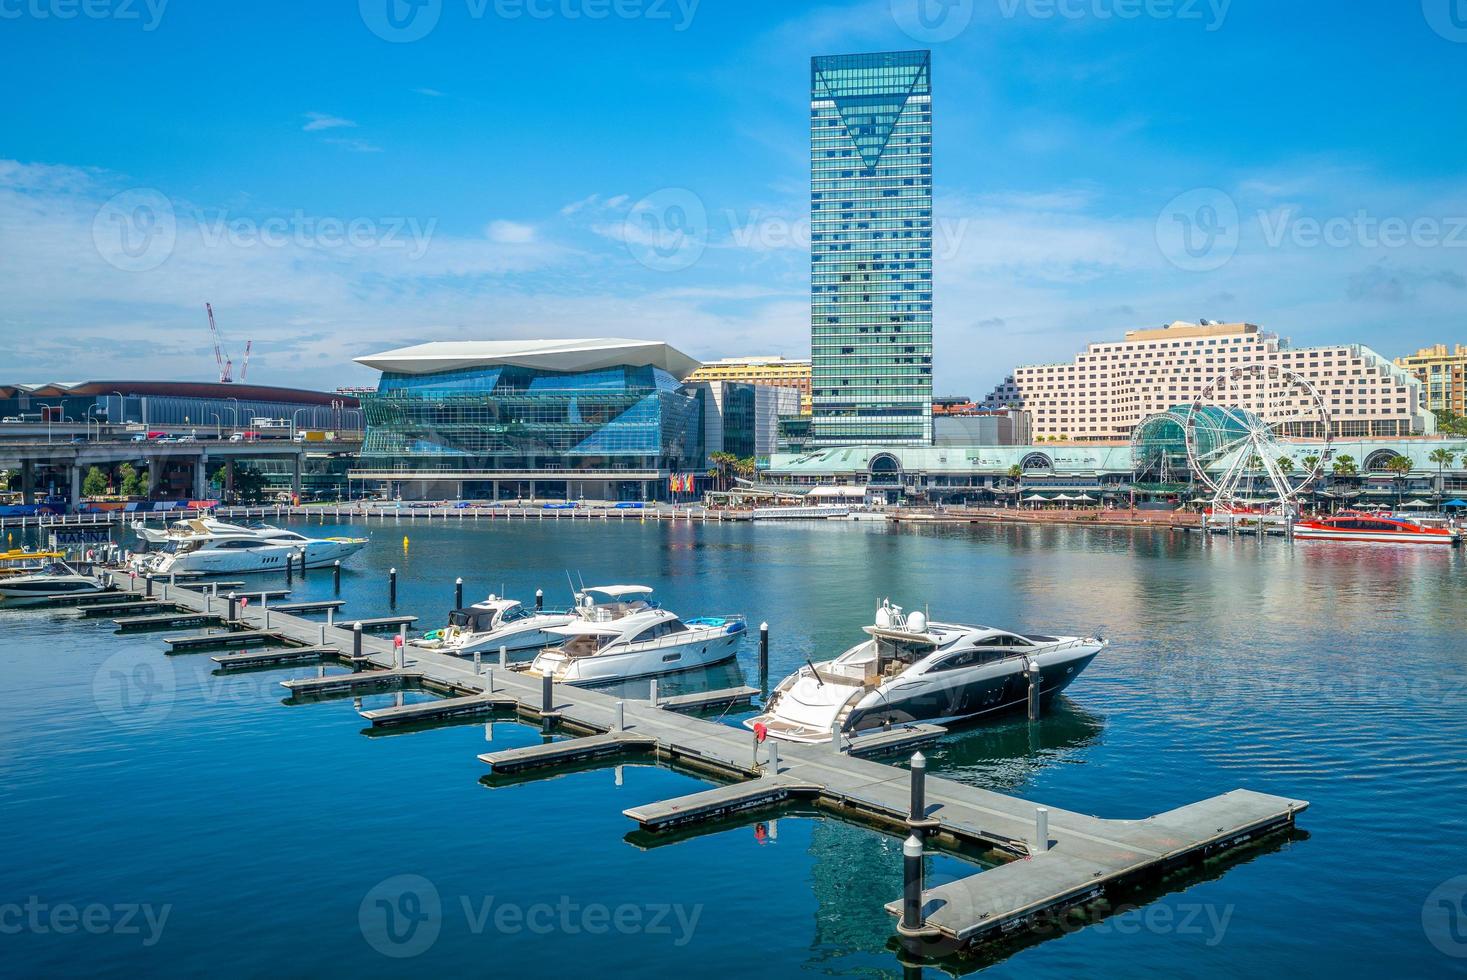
{"points": [[1070, 858]]}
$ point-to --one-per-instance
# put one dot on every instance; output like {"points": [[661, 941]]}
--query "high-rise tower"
{"points": [[871, 248]]}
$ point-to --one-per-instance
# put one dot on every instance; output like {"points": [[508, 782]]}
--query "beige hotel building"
{"points": [[779, 372], [1111, 387]]}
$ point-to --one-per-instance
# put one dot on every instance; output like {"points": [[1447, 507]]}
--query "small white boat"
{"points": [[911, 670], [620, 633], [57, 578], [496, 622], [208, 547]]}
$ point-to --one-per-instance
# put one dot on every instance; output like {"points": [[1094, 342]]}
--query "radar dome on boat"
{"points": [[883, 617], [917, 622]]}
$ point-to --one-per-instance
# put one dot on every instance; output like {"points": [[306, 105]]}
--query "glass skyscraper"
{"points": [[871, 248]]}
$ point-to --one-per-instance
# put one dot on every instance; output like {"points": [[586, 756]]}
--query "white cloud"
{"points": [[320, 120], [510, 232]]}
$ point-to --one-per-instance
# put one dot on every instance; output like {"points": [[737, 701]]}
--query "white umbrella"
{"points": [[1066, 497], [1416, 503], [1084, 496], [1035, 499]]}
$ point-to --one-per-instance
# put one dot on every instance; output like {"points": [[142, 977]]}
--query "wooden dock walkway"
{"points": [[1082, 858]]}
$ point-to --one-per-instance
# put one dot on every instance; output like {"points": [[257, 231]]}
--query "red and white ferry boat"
{"points": [[1355, 526]]}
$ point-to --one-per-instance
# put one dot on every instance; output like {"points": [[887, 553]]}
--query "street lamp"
{"points": [[293, 417], [218, 425], [234, 412]]}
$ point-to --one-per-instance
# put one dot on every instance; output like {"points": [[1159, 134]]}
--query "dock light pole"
{"points": [[289, 570], [303, 564], [539, 600], [918, 812], [547, 702], [1041, 829], [773, 769], [458, 593], [233, 607], [148, 585], [477, 668], [336, 576], [619, 717], [1036, 685], [503, 657], [356, 641], [392, 587], [764, 658], [912, 923]]}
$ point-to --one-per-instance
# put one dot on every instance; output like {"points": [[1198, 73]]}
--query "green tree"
{"points": [[94, 484], [131, 483], [1442, 458], [1310, 462], [4, 479], [1286, 464], [249, 485], [1400, 467], [1345, 466], [723, 466], [1016, 472]]}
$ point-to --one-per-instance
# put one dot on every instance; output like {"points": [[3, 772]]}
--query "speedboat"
{"points": [[912, 670], [57, 578], [496, 622], [210, 547], [1357, 526], [620, 632], [18, 561]]}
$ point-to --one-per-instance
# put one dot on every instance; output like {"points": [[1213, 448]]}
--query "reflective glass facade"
{"points": [[514, 420], [871, 248]]}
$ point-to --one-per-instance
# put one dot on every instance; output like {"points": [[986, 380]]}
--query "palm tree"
{"points": [[1286, 464], [1310, 462], [1401, 466], [1442, 458], [1345, 466]]}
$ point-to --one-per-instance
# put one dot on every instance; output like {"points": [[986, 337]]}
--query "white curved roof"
{"points": [[548, 355]]}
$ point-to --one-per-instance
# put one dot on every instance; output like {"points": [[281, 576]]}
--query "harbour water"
{"points": [[194, 822]]}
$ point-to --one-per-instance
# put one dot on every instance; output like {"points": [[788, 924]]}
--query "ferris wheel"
{"points": [[1235, 431]]}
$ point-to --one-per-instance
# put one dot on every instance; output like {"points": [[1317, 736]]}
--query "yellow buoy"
{"points": [[404, 542]]}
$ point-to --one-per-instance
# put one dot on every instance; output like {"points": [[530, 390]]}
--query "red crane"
{"points": [[226, 364]]}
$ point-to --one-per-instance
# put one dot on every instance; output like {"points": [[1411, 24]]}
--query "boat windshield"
{"points": [[514, 614]]}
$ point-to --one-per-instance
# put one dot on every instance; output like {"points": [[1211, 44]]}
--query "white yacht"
{"points": [[496, 622], [57, 578], [619, 632], [210, 547], [912, 670]]}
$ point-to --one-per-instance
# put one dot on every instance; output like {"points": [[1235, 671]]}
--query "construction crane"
{"points": [[225, 363]]}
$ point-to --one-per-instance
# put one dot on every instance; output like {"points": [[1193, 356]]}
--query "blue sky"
{"points": [[337, 182]]}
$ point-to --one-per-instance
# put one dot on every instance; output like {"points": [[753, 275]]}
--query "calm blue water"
{"points": [[261, 836]]}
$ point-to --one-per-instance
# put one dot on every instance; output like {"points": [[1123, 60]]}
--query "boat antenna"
{"points": [[575, 596], [818, 681]]}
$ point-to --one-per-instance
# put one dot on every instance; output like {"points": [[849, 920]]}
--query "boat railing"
{"points": [[682, 636]]}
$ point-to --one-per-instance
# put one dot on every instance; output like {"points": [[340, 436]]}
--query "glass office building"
{"points": [[871, 248], [599, 420]]}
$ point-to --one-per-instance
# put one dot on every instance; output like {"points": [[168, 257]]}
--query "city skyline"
{"points": [[363, 196]]}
